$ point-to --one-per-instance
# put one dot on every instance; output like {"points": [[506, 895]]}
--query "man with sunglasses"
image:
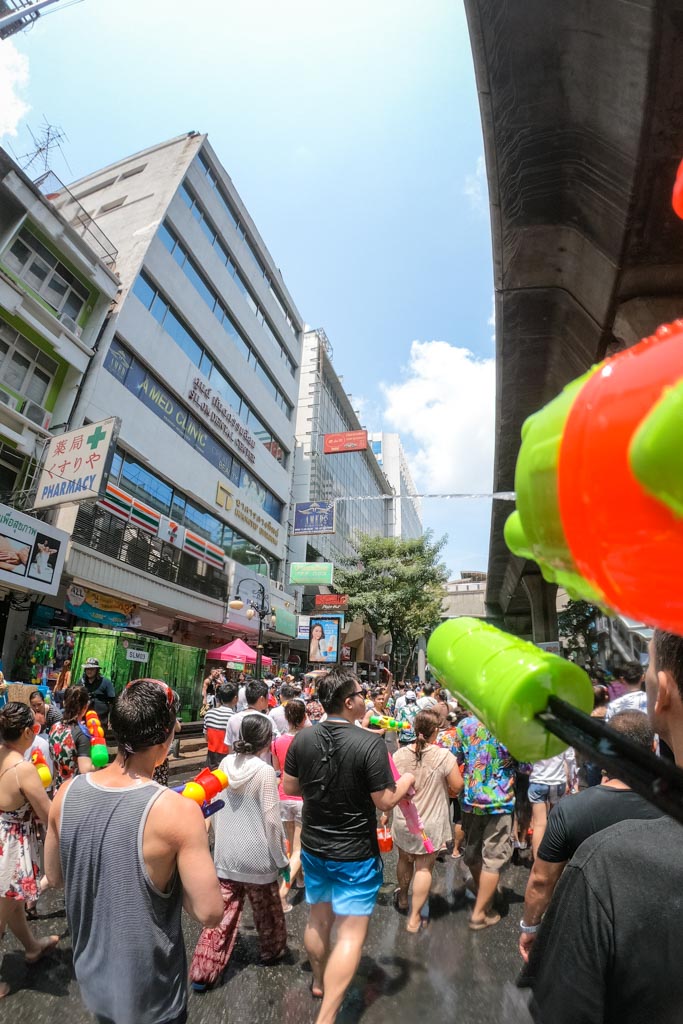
{"points": [[344, 776], [131, 854]]}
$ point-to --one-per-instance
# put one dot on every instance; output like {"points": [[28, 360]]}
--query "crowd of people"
{"points": [[311, 784]]}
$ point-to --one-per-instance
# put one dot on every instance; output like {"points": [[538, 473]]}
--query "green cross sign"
{"points": [[97, 435]]}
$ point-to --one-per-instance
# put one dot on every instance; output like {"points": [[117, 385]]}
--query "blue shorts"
{"points": [[351, 886], [540, 793]]}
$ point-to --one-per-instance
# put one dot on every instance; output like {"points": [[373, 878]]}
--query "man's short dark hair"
{"points": [[226, 693], [335, 687], [142, 716], [668, 650], [287, 692], [635, 726], [428, 689], [254, 690], [632, 673]]}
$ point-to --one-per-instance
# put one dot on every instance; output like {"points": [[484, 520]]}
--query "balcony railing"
{"points": [[78, 217], [103, 532]]}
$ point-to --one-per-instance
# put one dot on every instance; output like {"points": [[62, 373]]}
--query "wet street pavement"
{"points": [[446, 973]]}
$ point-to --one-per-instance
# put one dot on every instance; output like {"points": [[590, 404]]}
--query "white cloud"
{"points": [[13, 79], [476, 188], [492, 319], [445, 405]]}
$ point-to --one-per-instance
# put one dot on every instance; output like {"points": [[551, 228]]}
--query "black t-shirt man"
{"points": [[338, 767], [573, 820], [609, 947]]}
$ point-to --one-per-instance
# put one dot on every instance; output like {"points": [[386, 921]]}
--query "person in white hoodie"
{"points": [[249, 853]]}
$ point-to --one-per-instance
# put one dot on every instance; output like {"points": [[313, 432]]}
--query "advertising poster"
{"points": [[323, 642], [104, 609], [31, 552]]}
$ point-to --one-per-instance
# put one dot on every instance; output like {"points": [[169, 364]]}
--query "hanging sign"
{"points": [[76, 464]]}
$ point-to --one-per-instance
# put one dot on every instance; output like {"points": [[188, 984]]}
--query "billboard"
{"points": [[76, 464], [347, 441], [303, 627], [313, 574], [31, 552], [324, 646], [311, 517], [332, 602]]}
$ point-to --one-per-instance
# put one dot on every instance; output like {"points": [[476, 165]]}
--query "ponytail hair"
{"points": [[426, 724]]}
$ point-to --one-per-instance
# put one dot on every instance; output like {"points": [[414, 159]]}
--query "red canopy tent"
{"points": [[237, 650]]}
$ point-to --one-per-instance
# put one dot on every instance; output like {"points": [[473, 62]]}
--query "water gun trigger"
{"points": [[654, 451]]}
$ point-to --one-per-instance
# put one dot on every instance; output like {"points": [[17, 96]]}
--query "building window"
{"points": [[44, 273], [207, 226], [192, 272], [24, 368], [152, 490], [164, 313]]}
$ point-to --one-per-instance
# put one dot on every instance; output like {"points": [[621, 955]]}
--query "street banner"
{"points": [[76, 464], [313, 574], [313, 517], [31, 552], [104, 609], [347, 441]]}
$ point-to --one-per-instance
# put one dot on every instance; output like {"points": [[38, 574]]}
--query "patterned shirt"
{"points": [[489, 769], [407, 714], [633, 700]]}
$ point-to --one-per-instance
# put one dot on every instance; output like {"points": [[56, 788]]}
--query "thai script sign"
{"points": [[31, 552], [314, 574], [347, 441]]}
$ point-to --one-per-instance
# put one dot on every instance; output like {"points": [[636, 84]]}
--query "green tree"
{"points": [[397, 587], [576, 622]]}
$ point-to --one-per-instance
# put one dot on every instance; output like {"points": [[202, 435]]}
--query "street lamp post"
{"points": [[260, 608]]}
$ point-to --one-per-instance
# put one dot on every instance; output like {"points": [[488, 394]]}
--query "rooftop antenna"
{"points": [[49, 138]]}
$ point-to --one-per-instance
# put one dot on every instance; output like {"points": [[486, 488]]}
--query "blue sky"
{"points": [[352, 133]]}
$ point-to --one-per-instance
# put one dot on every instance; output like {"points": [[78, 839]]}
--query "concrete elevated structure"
{"points": [[582, 112]]}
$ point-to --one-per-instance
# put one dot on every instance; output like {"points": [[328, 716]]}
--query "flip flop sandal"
{"points": [[397, 905]]}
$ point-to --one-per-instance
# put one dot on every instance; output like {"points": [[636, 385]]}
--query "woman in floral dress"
{"points": [[23, 803], [69, 739]]}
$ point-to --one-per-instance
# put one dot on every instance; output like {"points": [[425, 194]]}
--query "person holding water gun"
{"points": [[437, 778]]}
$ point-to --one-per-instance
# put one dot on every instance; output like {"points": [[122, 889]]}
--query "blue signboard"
{"points": [[312, 517]]}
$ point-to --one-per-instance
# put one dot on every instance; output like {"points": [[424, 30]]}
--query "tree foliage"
{"points": [[396, 586], [576, 622]]}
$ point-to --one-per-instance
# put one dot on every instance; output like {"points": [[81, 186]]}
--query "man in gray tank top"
{"points": [[130, 855]]}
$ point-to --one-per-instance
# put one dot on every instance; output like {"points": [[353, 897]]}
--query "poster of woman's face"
{"points": [[323, 644], [45, 554]]}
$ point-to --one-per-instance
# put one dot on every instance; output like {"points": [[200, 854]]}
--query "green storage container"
{"points": [[180, 666]]}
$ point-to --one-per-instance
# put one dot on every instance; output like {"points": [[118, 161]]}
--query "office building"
{"points": [[406, 521], [200, 360], [352, 479]]}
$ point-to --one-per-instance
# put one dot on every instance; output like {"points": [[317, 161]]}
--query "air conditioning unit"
{"points": [[36, 414], [9, 400], [70, 324]]}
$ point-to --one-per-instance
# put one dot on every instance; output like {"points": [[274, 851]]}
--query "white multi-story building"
{"points": [[200, 360], [406, 522], [352, 479]]}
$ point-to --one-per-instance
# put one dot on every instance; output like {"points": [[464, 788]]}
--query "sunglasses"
{"points": [[159, 682]]}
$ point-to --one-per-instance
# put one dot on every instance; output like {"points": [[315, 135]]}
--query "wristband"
{"points": [[528, 929]]}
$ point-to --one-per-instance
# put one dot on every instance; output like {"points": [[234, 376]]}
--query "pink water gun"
{"points": [[409, 810]]}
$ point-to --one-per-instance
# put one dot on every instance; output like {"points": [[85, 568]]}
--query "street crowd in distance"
{"points": [[316, 782]]}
